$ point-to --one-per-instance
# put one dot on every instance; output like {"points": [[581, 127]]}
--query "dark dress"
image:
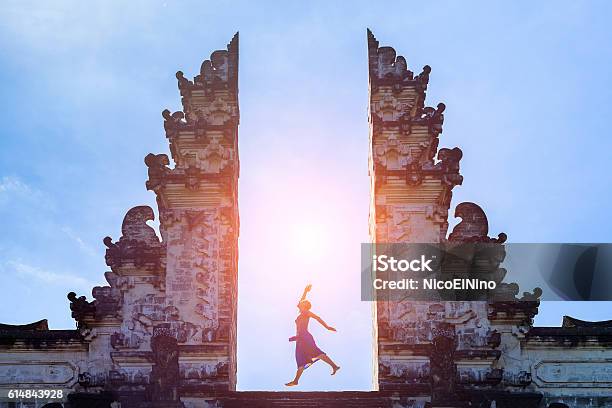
{"points": [[306, 350]]}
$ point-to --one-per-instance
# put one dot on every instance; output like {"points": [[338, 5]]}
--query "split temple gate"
{"points": [[163, 332]]}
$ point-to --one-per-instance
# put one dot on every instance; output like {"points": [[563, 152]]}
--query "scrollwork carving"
{"points": [[139, 243], [157, 165], [81, 309], [474, 226]]}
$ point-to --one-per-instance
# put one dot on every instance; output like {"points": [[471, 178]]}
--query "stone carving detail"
{"points": [[138, 245], [108, 299], [591, 373], [533, 296], [442, 361], [135, 228], [423, 77], [165, 376], [196, 274], [81, 309], [384, 63], [517, 379], [204, 371], [37, 373], [414, 175], [214, 157], [173, 120], [85, 379], [393, 155], [218, 112], [449, 164], [389, 108], [220, 72], [434, 117], [222, 68], [474, 226], [106, 304], [158, 169]]}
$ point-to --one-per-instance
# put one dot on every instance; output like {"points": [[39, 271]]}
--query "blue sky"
{"points": [[527, 88]]}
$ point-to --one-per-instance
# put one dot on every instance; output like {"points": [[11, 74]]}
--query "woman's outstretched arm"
{"points": [[318, 319], [306, 290]]}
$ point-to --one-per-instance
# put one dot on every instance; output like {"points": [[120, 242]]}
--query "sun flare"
{"points": [[309, 240]]}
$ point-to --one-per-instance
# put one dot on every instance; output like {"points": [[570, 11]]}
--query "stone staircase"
{"points": [[298, 399]]}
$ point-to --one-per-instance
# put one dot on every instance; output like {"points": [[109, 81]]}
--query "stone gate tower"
{"points": [[410, 197], [198, 207], [459, 353], [163, 333], [418, 344]]}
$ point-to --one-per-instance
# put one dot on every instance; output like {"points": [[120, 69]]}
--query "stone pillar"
{"points": [[411, 190], [198, 207], [438, 351]]}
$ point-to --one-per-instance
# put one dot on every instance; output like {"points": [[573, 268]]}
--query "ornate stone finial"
{"points": [[474, 224], [435, 113], [219, 71], [138, 244], [434, 118], [384, 63], [173, 120], [532, 296], [181, 79], [449, 164], [81, 308], [135, 227], [423, 77], [157, 168]]}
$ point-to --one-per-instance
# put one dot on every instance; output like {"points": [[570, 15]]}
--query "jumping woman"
{"points": [[306, 350]]}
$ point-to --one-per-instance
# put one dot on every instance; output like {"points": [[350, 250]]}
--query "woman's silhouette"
{"points": [[306, 350]]}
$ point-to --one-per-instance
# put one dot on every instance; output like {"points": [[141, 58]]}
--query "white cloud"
{"points": [[80, 243], [13, 189], [22, 270], [10, 184]]}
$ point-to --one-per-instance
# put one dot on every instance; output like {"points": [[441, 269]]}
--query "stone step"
{"points": [[305, 399]]}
